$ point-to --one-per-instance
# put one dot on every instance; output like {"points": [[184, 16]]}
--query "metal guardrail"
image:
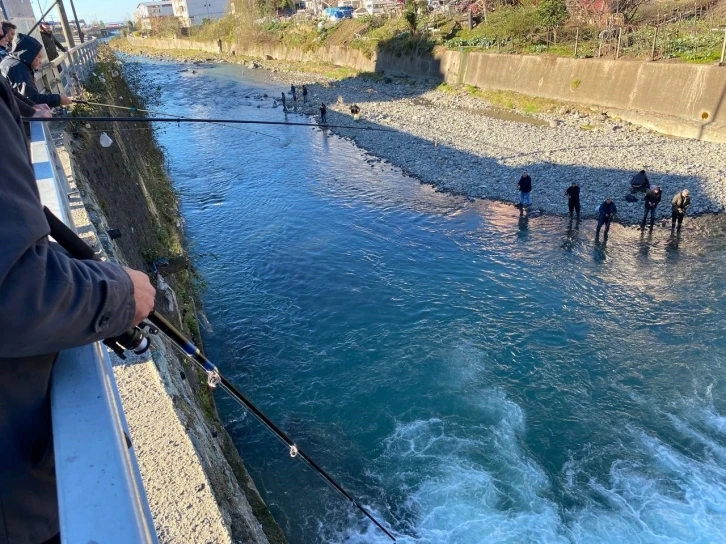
{"points": [[69, 69], [101, 496]]}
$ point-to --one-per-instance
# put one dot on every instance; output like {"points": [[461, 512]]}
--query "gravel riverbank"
{"points": [[459, 143]]}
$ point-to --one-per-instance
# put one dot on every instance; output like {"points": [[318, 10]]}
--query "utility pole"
{"points": [[66, 27], [78, 25]]}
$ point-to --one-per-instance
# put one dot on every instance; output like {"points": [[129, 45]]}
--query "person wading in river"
{"points": [[607, 211], [679, 205], [652, 199], [323, 114], [284, 103], [525, 188], [305, 94], [573, 199]]}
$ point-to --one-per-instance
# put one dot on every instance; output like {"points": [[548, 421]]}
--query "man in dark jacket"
{"points": [[525, 188], [606, 212], [573, 199], [679, 205], [639, 182], [652, 199], [18, 68], [48, 302], [50, 43]]}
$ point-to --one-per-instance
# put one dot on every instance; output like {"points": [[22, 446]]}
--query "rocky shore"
{"points": [[459, 143]]}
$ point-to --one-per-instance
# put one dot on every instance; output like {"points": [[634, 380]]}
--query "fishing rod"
{"points": [[192, 120], [72, 243], [142, 110]]}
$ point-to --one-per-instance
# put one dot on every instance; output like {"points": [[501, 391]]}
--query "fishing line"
{"points": [[72, 243], [165, 114], [196, 120]]}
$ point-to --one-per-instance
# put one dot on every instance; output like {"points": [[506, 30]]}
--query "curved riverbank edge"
{"points": [[459, 144], [197, 486], [682, 100]]}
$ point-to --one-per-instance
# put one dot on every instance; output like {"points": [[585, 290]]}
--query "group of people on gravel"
{"points": [[607, 210]]}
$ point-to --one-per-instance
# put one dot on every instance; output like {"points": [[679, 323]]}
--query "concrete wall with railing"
{"points": [[687, 100]]}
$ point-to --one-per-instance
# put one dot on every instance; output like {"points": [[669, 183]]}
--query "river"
{"points": [[468, 374]]}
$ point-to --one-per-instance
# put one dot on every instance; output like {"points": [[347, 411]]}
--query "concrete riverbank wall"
{"points": [[685, 100]]}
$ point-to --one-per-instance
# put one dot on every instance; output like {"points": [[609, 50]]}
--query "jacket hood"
{"points": [[26, 48]]}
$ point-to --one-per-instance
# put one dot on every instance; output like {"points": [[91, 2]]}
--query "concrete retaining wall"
{"points": [[680, 99]]}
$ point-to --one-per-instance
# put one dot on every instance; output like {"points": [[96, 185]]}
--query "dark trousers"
{"points": [[602, 220], [648, 210], [675, 216], [323, 118], [574, 206]]}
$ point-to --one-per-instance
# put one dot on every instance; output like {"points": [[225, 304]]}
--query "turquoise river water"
{"points": [[470, 376]]}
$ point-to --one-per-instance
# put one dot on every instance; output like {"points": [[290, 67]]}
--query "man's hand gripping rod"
{"points": [[72, 243]]}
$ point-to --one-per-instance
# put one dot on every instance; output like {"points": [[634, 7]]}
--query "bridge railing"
{"points": [[69, 69], [101, 496]]}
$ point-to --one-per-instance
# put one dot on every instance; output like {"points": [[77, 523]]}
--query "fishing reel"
{"points": [[136, 340]]}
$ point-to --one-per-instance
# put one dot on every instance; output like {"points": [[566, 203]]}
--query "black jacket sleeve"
{"points": [[25, 105], [48, 301], [59, 45]]}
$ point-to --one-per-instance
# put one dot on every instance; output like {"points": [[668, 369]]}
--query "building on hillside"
{"points": [[194, 12], [146, 12], [19, 12]]}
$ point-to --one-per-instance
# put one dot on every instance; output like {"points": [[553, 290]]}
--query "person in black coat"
{"points": [[18, 68], [50, 42], [323, 114], [607, 211], [652, 199], [573, 199], [525, 188], [48, 302], [639, 182]]}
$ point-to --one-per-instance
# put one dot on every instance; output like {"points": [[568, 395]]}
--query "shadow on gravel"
{"points": [[462, 172]]}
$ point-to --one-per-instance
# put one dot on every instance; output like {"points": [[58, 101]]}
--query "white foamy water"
{"points": [[491, 491]]}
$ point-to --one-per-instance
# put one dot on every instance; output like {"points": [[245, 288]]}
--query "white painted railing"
{"points": [[69, 69]]}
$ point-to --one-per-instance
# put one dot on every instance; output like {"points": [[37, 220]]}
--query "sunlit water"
{"points": [[469, 375]]}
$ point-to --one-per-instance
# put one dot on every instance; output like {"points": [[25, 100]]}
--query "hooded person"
{"points": [[51, 44], [18, 68]]}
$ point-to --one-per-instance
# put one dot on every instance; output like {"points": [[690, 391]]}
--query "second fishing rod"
{"points": [[72, 243]]}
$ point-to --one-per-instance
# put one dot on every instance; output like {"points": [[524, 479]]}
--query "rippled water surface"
{"points": [[470, 375]]}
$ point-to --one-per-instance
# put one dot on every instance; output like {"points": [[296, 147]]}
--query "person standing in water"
{"points": [[525, 188], [305, 94], [652, 199], [679, 205], [573, 199], [293, 92], [607, 211], [323, 114], [284, 103]]}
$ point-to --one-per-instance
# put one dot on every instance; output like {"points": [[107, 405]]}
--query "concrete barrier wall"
{"points": [[681, 99]]}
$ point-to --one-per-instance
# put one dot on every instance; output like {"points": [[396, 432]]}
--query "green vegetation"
{"points": [[554, 27]]}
